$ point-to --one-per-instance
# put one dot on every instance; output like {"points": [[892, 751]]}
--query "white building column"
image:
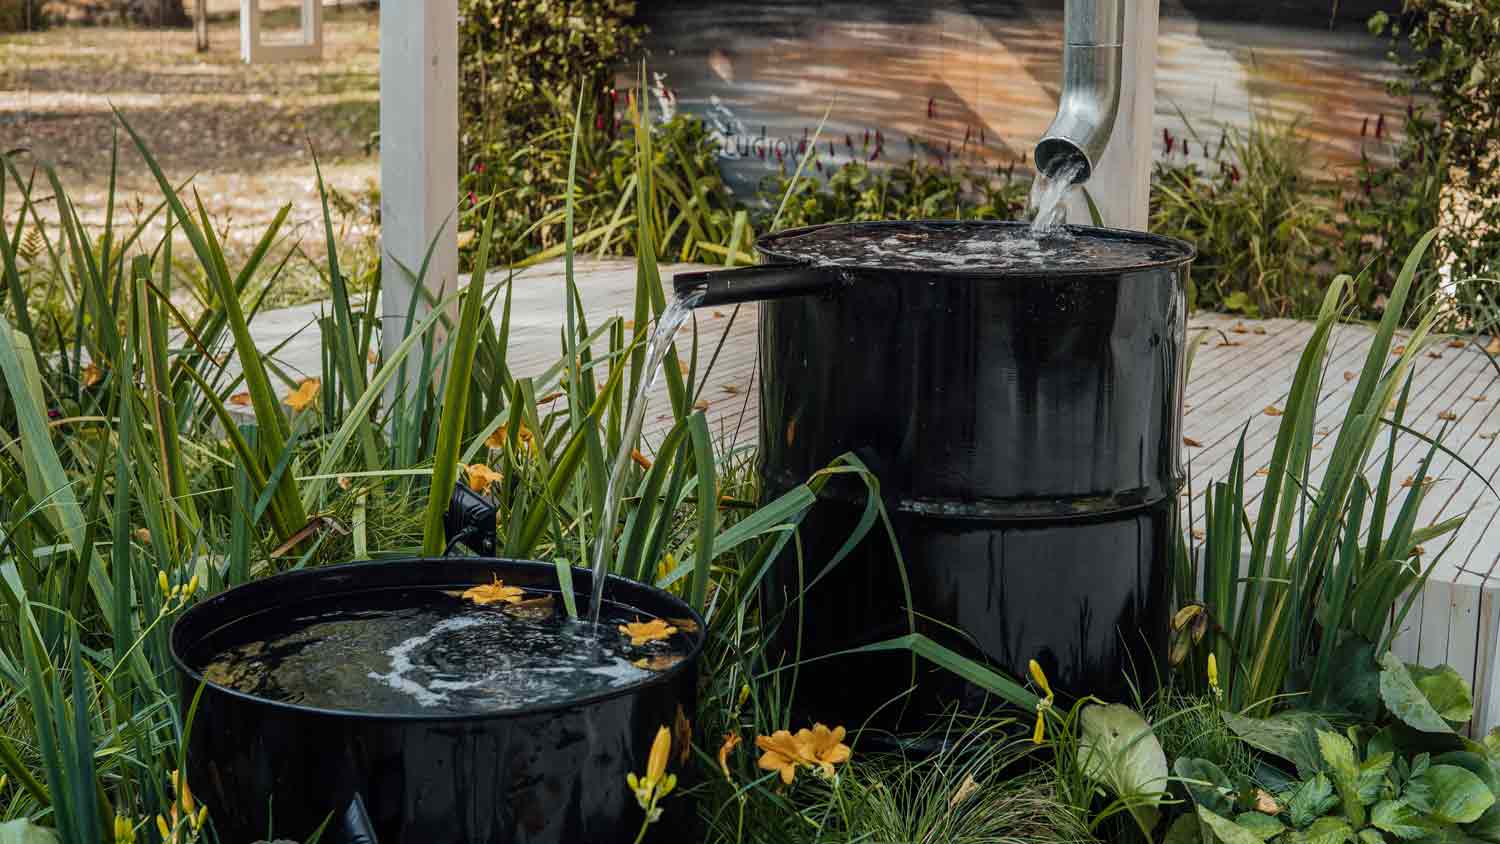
{"points": [[418, 154]]}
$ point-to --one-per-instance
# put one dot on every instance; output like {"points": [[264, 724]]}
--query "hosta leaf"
{"points": [[26, 832], [1405, 700], [1119, 750], [1449, 793]]}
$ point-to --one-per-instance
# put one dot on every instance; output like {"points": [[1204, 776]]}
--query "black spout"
{"points": [[751, 284]]}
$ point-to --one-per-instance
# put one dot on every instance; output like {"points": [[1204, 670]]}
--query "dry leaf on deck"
{"points": [[1239, 328], [1272, 410], [1493, 347], [1191, 443], [1397, 351], [1447, 416], [1457, 344], [240, 399], [1348, 376], [700, 404]]}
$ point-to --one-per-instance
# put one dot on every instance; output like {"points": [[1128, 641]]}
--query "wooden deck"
{"points": [[1242, 368]]}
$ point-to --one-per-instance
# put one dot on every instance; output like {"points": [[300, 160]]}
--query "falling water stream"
{"points": [[1049, 193], [656, 350]]}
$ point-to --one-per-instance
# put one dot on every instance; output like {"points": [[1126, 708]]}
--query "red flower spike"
{"points": [[1380, 126]]}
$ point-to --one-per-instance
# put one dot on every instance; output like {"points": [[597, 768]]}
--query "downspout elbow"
{"points": [[1093, 50]]}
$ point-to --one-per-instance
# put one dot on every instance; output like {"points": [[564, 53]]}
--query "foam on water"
{"points": [[960, 247], [429, 652]]}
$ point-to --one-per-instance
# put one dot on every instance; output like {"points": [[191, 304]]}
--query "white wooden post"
{"points": [[418, 155], [1121, 184], [309, 44]]}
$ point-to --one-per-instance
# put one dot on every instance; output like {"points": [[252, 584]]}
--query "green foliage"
{"points": [[1323, 561], [857, 191], [515, 56], [1450, 55], [1256, 218]]}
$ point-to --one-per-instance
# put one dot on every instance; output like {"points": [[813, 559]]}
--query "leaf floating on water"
{"points": [[684, 625], [494, 593], [658, 663], [1272, 410], [1191, 443], [641, 632]]}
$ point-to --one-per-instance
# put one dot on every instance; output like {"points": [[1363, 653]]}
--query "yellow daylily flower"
{"points": [[823, 748], [494, 593], [1039, 732], [779, 752], [124, 830], [641, 632], [481, 476], [1213, 675], [731, 741], [303, 396]]}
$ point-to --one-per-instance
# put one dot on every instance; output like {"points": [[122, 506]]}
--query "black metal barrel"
{"points": [[1024, 426]]}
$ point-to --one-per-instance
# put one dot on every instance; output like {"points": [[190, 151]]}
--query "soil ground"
{"points": [[244, 134]]}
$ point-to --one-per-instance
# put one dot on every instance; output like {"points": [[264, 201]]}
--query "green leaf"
{"points": [[1399, 819], [1487, 827], [1224, 830], [1445, 690], [1184, 830], [1289, 735], [1262, 826], [1310, 801], [1407, 701], [1118, 749], [1338, 753], [1449, 793], [1328, 830], [1372, 776], [25, 832], [1353, 682], [1208, 785]]}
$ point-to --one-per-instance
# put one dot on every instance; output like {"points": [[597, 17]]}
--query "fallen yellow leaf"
{"points": [[241, 399], [1191, 443], [1447, 416], [494, 593], [1493, 347], [1239, 328], [1457, 344], [641, 632], [1348, 376], [700, 404], [1272, 410]]}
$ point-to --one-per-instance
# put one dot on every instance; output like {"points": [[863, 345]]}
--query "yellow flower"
{"points": [[823, 748], [495, 593], [92, 375], [656, 783], [304, 394], [779, 752], [481, 476], [184, 794], [731, 741], [1213, 674], [166, 832], [1039, 732], [497, 438], [641, 632]]}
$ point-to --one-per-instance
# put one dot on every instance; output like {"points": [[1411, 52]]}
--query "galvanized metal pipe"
{"points": [[1093, 48]]}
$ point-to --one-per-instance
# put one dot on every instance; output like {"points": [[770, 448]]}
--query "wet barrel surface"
{"points": [[550, 774], [1024, 419]]}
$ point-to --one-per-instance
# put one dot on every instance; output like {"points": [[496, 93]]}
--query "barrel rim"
{"points": [[1187, 251], [199, 621]]}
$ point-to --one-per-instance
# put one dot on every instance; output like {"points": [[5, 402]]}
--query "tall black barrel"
{"points": [[1024, 423]]}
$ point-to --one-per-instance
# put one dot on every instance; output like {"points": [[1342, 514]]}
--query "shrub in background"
{"points": [[1450, 55]]}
